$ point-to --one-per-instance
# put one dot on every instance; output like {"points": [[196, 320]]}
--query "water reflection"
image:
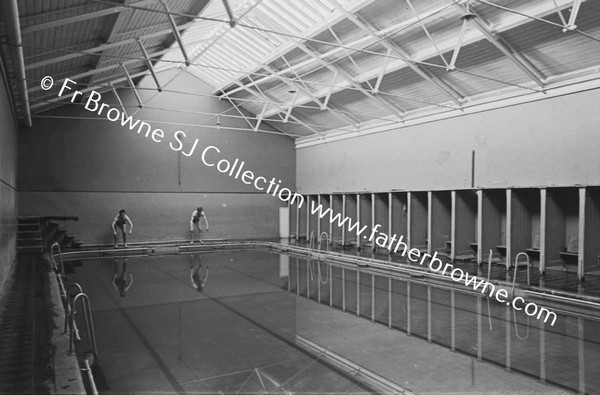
{"points": [[122, 280]]}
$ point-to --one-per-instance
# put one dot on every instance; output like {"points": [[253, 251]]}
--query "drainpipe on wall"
{"points": [[11, 10]]}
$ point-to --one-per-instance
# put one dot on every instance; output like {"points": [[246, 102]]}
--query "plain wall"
{"points": [[8, 179], [93, 167], [553, 142]]}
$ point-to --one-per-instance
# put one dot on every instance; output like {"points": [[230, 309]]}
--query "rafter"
{"points": [[392, 108], [103, 47], [31, 27], [513, 21], [271, 100], [416, 67], [514, 56]]}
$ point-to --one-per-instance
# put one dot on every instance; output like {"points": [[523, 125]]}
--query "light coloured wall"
{"points": [[8, 179], [92, 168], [554, 142]]}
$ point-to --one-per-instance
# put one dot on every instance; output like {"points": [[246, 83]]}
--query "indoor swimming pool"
{"points": [[259, 321]]}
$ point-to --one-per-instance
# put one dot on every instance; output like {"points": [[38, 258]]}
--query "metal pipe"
{"points": [[135, 92], [88, 370], [149, 63], [68, 307], [176, 33], [10, 9]]}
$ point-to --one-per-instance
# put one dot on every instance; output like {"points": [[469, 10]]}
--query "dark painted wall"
{"points": [[8, 179], [93, 167]]}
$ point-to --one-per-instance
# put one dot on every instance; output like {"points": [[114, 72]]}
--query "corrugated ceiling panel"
{"points": [[358, 104], [325, 120], [554, 52], [404, 85], [292, 128]]}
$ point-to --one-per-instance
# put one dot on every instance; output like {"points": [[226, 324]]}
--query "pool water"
{"points": [[236, 335], [239, 331]]}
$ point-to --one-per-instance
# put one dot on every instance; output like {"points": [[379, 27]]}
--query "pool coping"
{"points": [[67, 373]]}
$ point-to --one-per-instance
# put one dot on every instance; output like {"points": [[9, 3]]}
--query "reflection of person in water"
{"points": [[122, 280], [196, 274]]}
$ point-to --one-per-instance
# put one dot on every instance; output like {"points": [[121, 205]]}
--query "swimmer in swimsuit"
{"points": [[197, 214], [121, 220]]}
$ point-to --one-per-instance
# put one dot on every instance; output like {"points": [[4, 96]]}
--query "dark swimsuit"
{"points": [[120, 221]]}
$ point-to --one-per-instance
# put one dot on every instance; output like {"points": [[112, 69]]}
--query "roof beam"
{"points": [[287, 47], [103, 47], [78, 18], [392, 108], [56, 98], [514, 56], [268, 98], [417, 68], [514, 21], [217, 35], [103, 69]]}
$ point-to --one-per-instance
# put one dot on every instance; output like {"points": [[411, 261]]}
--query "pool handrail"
{"points": [[67, 302], [87, 313]]}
